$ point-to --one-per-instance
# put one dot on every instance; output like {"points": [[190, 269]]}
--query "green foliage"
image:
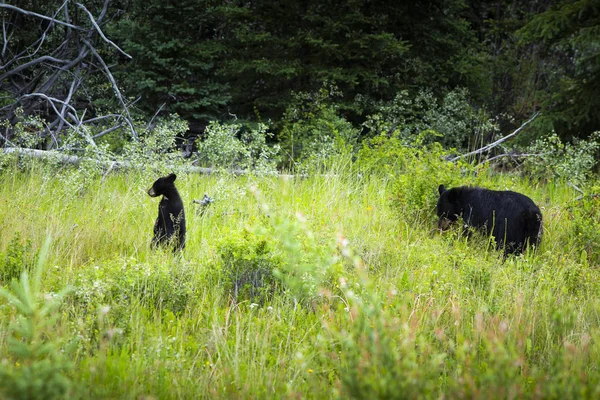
{"points": [[457, 123], [157, 145], [416, 170], [121, 283], [585, 231], [16, 259], [176, 57], [313, 132], [568, 32], [554, 159], [247, 262], [230, 146], [26, 131], [359, 297], [35, 363]]}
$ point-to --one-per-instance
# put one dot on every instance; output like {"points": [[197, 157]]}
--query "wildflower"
{"points": [[253, 305], [310, 371]]}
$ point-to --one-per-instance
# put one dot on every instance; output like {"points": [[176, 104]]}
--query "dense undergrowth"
{"points": [[320, 286]]}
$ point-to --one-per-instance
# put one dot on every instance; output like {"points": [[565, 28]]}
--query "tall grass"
{"points": [[372, 301]]}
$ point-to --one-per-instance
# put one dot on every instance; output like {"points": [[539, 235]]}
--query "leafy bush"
{"points": [[313, 132], [230, 146], [247, 262], [27, 130], [16, 259], [416, 170], [570, 161], [458, 124], [157, 146], [117, 282]]}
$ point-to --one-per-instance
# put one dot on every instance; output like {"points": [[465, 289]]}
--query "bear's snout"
{"points": [[444, 223], [151, 192]]}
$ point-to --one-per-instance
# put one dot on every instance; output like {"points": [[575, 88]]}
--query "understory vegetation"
{"points": [[333, 283]]}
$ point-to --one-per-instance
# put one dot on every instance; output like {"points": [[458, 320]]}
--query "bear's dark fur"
{"points": [[511, 218], [170, 224]]}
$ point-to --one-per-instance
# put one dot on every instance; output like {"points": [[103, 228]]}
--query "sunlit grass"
{"points": [[453, 316]]}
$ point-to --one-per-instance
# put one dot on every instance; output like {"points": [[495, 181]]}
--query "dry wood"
{"points": [[490, 146]]}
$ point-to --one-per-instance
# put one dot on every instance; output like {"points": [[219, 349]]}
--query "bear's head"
{"points": [[448, 208], [162, 185]]}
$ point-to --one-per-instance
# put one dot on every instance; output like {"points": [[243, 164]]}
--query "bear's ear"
{"points": [[442, 189], [172, 177]]}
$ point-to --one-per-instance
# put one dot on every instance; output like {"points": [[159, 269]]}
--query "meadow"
{"points": [[330, 285]]}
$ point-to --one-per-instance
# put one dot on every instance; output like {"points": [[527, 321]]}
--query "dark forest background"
{"points": [[274, 62]]}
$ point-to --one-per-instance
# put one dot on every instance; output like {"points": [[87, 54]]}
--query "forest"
{"points": [[308, 142]]}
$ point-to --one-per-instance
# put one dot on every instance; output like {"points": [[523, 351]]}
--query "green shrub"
{"points": [[16, 259], [234, 146], [457, 123], [247, 262], [117, 282], [313, 131], [416, 171], [552, 159]]}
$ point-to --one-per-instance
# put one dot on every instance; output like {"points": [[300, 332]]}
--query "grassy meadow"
{"points": [[333, 285]]}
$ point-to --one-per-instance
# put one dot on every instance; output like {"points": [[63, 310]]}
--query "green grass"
{"points": [[371, 302]]}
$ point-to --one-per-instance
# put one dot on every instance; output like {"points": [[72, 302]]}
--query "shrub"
{"points": [[16, 259], [570, 161], [457, 123], [247, 262], [313, 132], [416, 171], [234, 146], [117, 282]]}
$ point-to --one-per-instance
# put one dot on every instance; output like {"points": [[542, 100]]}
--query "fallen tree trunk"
{"points": [[108, 165]]}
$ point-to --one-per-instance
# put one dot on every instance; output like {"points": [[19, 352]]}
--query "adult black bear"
{"points": [[170, 224], [511, 218]]}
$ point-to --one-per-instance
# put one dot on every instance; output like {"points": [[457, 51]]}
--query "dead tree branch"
{"points": [[100, 30], [50, 82], [44, 17], [490, 146]]}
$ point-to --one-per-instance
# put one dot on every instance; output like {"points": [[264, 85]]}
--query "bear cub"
{"points": [[511, 218], [169, 227]]}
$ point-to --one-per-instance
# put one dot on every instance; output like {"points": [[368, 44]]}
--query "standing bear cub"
{"points": [[511, 218], [169, 227]]}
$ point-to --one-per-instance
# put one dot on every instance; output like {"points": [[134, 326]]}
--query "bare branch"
{"points": [[11, 7], [29, 64], [51, 100], [5, 45], [155, 114], [497, 142], [66, 103], [103, 117], [575, 187], [100, 31], [107, 131], [115, 87]]}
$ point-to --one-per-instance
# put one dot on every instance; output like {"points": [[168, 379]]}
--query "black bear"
{"points": [[511, 218], [170, 224]]}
